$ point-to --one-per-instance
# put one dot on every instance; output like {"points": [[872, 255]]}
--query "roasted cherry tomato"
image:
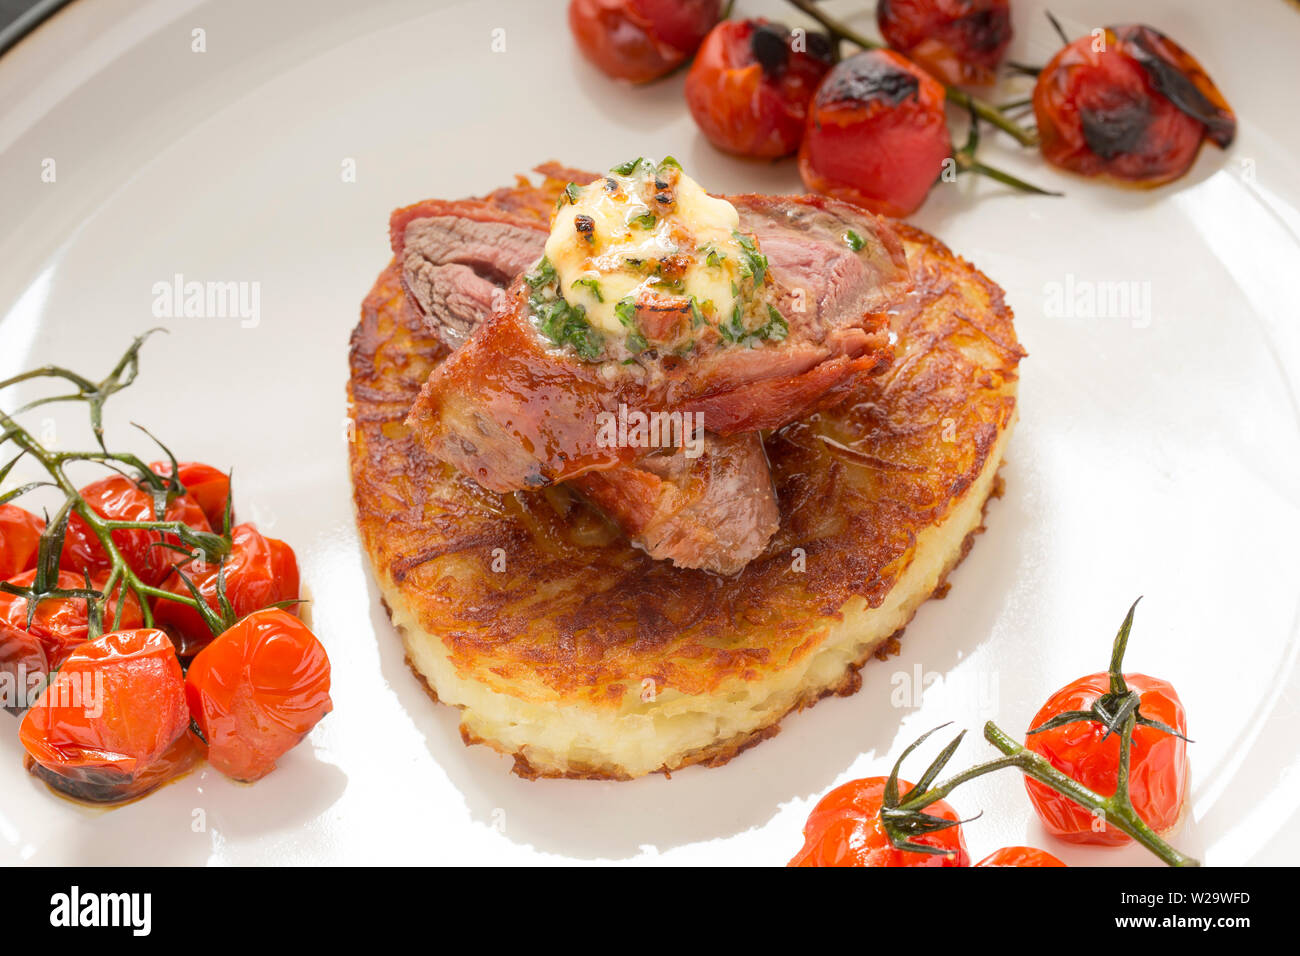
{"points": [[112, 723], [259, 572], [844, 829], [257, 690], [640, 40], [120, 498], [1158, 764], [1130, 105], [206, 485], [876, 133], [60, 625], [959, 41], [20, 538], [751, 83], [1019, 856]]}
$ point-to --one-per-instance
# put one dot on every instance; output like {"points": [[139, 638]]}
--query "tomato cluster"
{"points": [[121, 712], [1125, 103], [1075, 739]]}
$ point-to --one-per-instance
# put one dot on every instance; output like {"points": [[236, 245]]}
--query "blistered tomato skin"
{"points": [[61, 625], [877, 134], [959, 41], [640, 40], [750, 85], [209, 487], [1019, 856], [257, 690], [1158, 765], [119, 498], [844, 829], [1130, 106], [20, 539], [112, 725], [259, 572]]}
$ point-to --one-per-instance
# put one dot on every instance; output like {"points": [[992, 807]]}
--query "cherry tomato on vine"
{"points": [[20, 538], [259, 572], [844, 829], [113, 723], [257, 690], [120, 498], [1129, 105], [751, 83], [1158, 765], [208, 486], [876, 133], [61, 625], [959, 41], [1016, 856], [640, 40]]}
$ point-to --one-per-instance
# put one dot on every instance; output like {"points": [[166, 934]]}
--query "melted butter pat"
{"points": [[607, 253]]}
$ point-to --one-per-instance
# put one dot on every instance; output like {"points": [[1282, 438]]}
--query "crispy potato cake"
{"points": [[567, 648]]}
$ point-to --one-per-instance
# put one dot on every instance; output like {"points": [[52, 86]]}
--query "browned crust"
{"points": [[579, 615], [723, 751]]}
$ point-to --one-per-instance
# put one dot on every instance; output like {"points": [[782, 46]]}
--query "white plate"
{"points": [[1157, 453]]}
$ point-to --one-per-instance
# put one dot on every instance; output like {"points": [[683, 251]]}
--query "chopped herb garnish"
{"points": [[669, 162], [697, 316], [572, 191], [542, 273], [628, 168], [591, 284], [566, 324], [625, 312], [854, 241], [776, 328], [645, 221], [753, 263], [712, 258]]}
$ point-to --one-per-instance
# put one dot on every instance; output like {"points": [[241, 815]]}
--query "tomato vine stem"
{"points": [[121, 578]]}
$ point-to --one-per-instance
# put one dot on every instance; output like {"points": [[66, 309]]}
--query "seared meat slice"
{"points": [[716, 511], [514, 411]]}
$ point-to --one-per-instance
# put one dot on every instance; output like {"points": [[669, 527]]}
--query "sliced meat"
{"points": [[513, 411], [715, 512], [457, 257]]}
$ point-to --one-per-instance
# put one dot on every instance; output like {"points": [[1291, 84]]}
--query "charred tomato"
{"points": [[640, 40], [751, 83], [113, 723], [146, 552], [845, 829], [257, 690], [258, 572], [959, 41], [1128, 104], [876, 134]]}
